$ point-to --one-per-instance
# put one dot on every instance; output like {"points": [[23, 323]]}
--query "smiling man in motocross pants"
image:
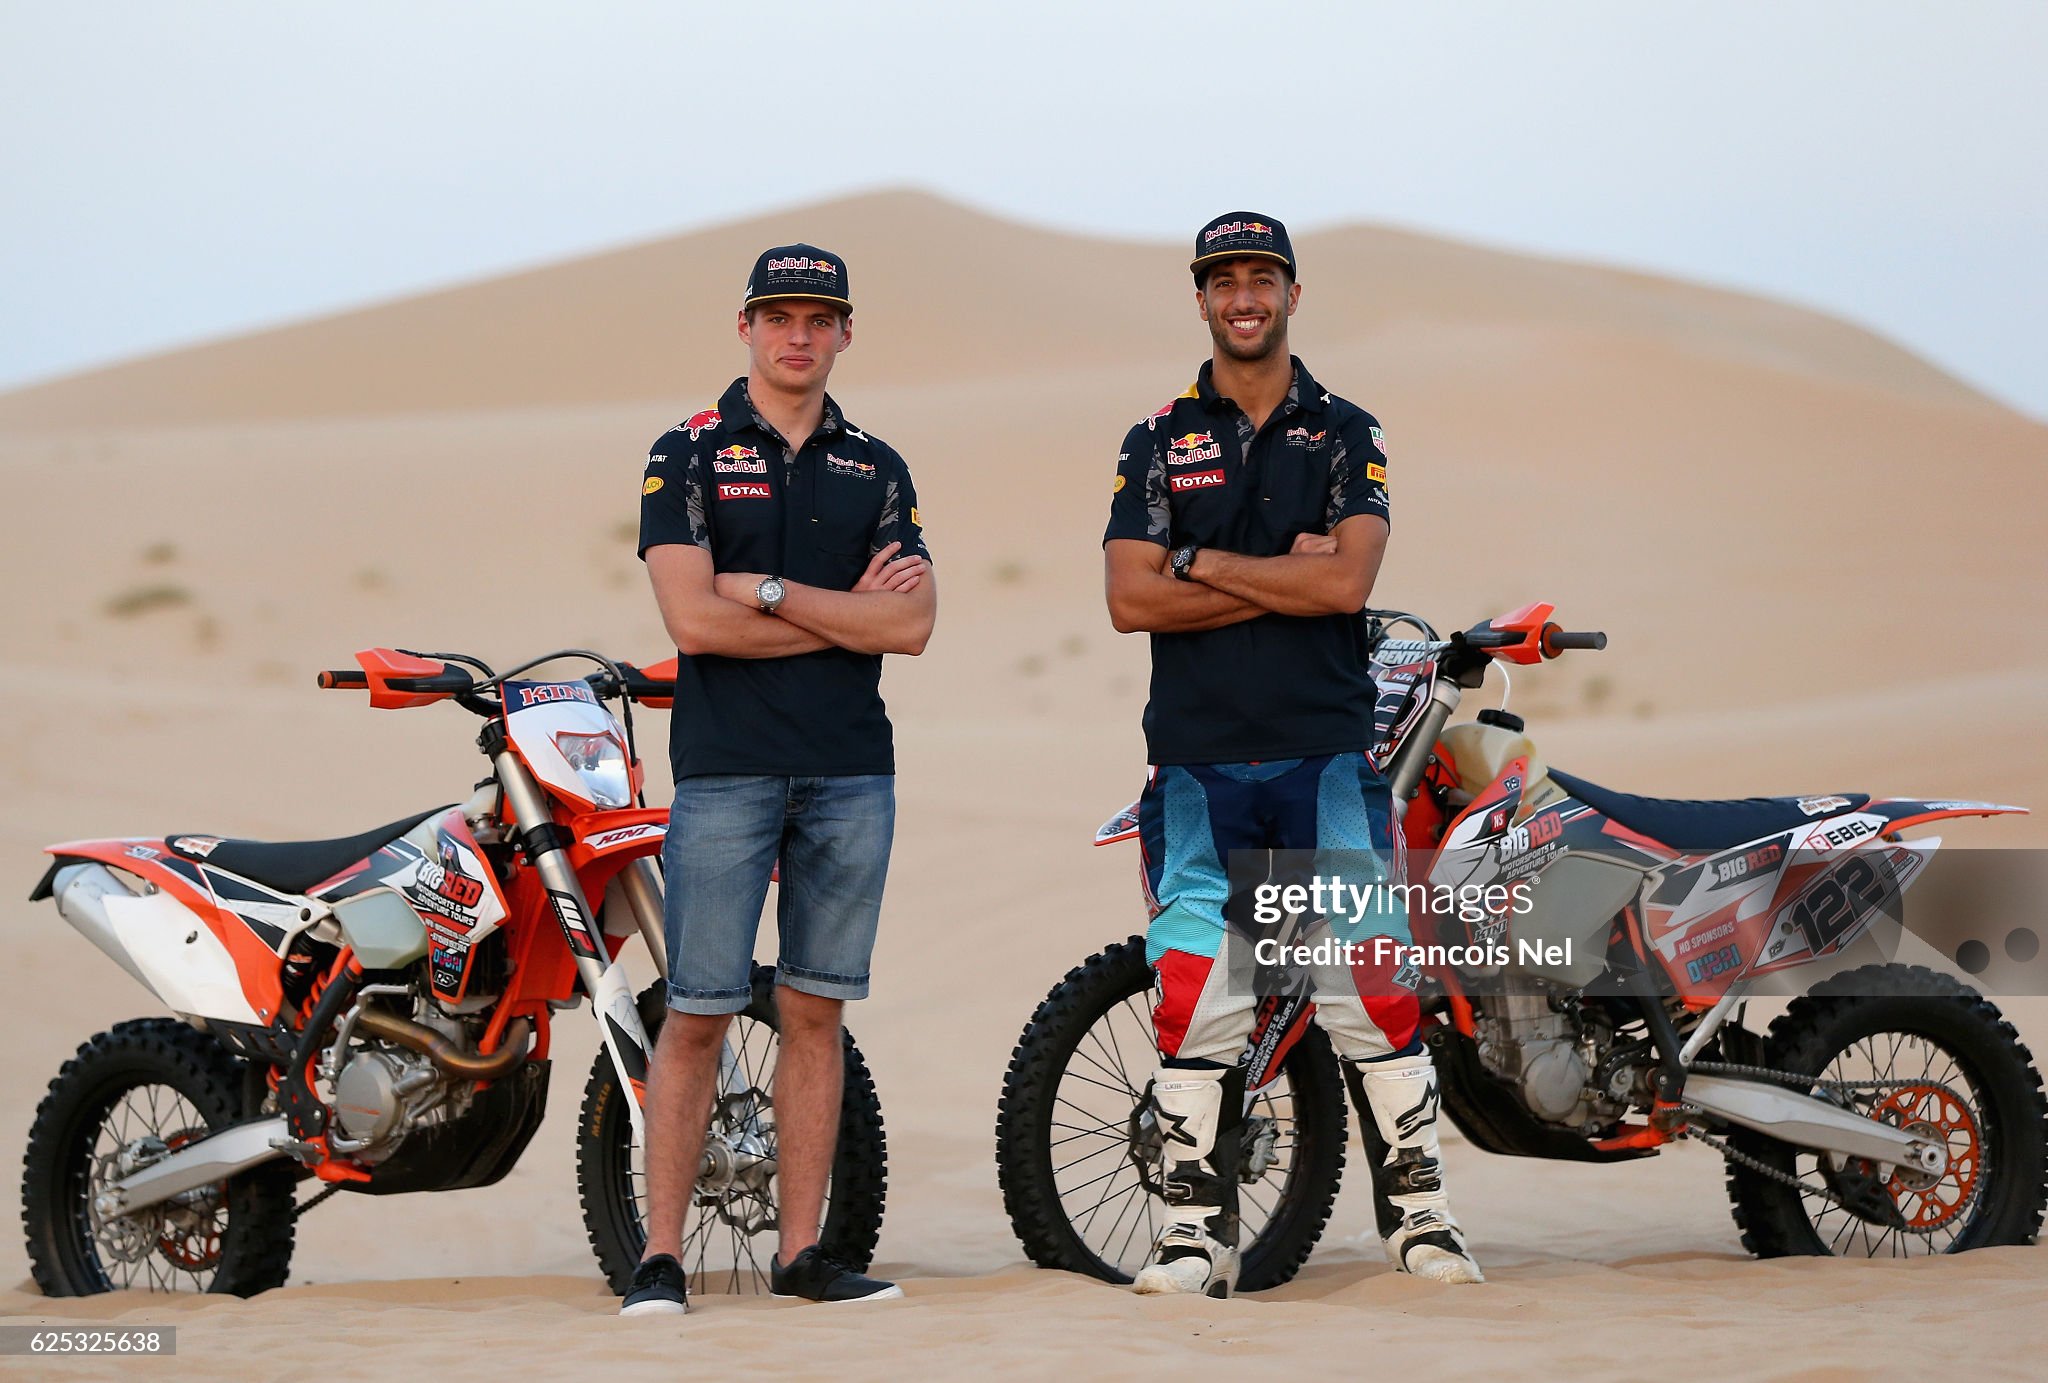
{"points": [[787, 554], [1247, 524]]}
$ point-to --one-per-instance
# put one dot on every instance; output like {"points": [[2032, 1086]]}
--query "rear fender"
{"points": [[257, 959], [1122, 826], [1903, 813]]}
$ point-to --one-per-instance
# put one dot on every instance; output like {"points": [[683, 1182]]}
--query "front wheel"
{"points": [[733, 1220], [128, 1098], [1078, 1159], [1918, 1050]]}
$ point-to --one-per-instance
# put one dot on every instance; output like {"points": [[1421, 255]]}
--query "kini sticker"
{"points": [[653, 484]]}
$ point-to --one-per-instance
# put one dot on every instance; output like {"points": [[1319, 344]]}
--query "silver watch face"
{"points": [[770, 592]]}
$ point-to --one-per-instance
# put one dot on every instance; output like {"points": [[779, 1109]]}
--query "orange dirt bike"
{"points": [[1589, 1008], [373, 1014]]}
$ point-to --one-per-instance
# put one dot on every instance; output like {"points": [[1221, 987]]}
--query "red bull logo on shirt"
{"points": [[697, 424], [1192, 448]]}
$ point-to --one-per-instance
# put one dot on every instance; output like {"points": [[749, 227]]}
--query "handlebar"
{"points": [[345, 679], [1562, 640]]}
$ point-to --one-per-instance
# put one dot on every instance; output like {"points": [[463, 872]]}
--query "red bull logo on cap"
{"points": [[1236, 228], [796, 262]]}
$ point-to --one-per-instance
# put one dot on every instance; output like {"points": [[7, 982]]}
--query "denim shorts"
{"points": [[725, 833]]}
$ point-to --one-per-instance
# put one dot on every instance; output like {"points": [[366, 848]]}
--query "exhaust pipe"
{"points": [[446, 1056]]}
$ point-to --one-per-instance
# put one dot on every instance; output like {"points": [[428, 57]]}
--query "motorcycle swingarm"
{"points": [[213, 1158], [1806, 1122]]}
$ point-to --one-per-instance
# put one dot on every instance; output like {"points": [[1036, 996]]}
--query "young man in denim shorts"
{"points": [[1247, 525], [787, 555]]}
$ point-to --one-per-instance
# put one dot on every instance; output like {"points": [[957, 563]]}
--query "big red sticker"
{"points": [[1196, 480], [742, 489]]}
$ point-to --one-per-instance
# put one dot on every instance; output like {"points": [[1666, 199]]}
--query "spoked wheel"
{"points": [[1078, 1155], [733, 1219], [129, 1098], [1919, 1051]]}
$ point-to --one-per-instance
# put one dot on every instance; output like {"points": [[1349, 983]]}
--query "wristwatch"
{"points": [[771, 593], [1183, 562]]}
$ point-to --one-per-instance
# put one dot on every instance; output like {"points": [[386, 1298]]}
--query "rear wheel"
{"points": [[733, 1222], [1941, 1061], [128, 1098], [1078, 1160]]}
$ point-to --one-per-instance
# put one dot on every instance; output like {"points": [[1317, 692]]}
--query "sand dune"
{"points": [[1817, 558]]}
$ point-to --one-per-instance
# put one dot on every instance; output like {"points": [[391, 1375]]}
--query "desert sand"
{"points": [[1818, 560]]}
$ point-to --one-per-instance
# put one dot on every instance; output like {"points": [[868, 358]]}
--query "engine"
{"points": [[384, 1092], [1550, 1054]]}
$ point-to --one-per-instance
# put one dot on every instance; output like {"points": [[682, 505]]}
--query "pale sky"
{"points": [[174, 172]]}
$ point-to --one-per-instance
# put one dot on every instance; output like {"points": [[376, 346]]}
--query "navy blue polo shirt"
{"points": [[1197, 471], [726, 481]]}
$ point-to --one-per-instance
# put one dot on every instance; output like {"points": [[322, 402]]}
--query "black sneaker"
{"points": [[658, 1289], [815, 1276]]}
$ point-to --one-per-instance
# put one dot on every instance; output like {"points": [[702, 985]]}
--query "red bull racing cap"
{"points": [[1242, 235], [798, 271]]}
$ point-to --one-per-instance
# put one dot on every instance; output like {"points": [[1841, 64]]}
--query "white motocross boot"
{"points": [[1196, 1252], [1427, 1242]]}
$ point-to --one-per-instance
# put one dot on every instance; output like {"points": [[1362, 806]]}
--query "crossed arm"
{"points": [[891, 608], [1324, 574]]}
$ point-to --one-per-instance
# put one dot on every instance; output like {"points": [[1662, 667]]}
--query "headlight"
{"points": [[600, 761]]}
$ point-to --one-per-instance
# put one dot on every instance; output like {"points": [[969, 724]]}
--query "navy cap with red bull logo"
{"points": [[1242, 235], [798, 271]]}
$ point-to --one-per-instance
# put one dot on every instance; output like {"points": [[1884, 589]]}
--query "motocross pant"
{"points": [[1190, 818]]}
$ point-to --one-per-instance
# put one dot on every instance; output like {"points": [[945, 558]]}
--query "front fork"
{"points": [[611, 993]]}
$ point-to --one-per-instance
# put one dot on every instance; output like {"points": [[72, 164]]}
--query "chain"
{"points": [[301, 1210], [1802, 1083]]}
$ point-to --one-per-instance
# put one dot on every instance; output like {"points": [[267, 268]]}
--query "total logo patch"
{"points": [[653, 484], [1194, 480], [744, 489], [839, 465]]}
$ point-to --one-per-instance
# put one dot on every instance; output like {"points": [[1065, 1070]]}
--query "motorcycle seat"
{"points": [[1683, 824], [291, 866]]}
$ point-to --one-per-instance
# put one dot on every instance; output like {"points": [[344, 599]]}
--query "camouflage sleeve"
{"points": [[1137, 501], [1358, 473], [672, 497], [900, 522]]}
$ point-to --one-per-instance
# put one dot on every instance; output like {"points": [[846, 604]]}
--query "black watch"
{"points": [[1183, 562]]}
